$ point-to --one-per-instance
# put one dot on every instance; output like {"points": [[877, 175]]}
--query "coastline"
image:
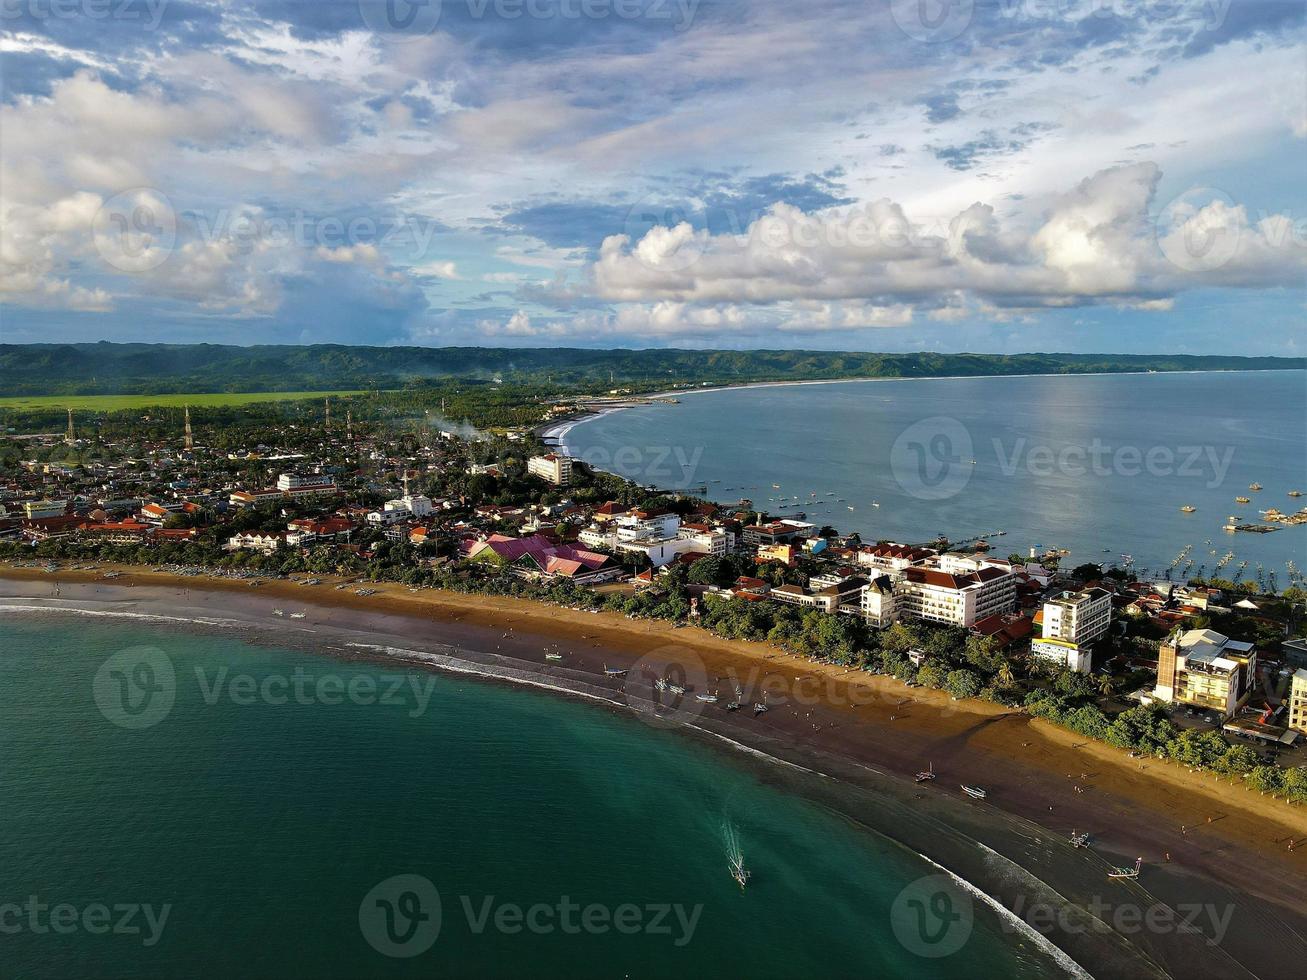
{"points": [[867, 734], [559, 429]]}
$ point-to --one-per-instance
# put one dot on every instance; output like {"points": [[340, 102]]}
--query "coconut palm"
{"points": [[1005, 676]]}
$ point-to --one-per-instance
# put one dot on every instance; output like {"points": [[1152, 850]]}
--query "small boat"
{"points": [[1295, 493], [1079, 840], [707, 697], [614, 671], [1254, 487], [875, 503], [676, 689], [553, 656], [297, 615], [760, 706], [733, 706], [975, 792], [1242, 500], [926, 774], [775, 486], [1127, 872], [850, 507], [278, 612], [1188, 509]]}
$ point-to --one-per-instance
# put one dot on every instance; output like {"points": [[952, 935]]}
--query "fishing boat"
{"points": [[676, 689], [1188, 509], [1242, 500], [278, 612], [775, 486], [850, 507], [1295, 493], [707, 697], [614, 671], [926, 774], [875, 503], [297, 615], [1254, 487], [1079, 840], [1127, 872], [975, 792], [760, 706], [733, 706], [553, 656], [739, 872]]}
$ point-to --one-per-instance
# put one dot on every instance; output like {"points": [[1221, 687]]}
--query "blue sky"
{"points": [[987, 175]]}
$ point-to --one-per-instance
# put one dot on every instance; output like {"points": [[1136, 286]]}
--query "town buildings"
{"points": [[1298, 700]]}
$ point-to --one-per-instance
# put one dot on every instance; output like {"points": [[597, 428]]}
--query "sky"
{"points": [[876, 175]]}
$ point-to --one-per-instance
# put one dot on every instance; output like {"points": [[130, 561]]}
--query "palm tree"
{"points": [[1106, 685], [1005, 677]]}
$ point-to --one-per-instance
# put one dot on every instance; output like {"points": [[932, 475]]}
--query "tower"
{"points": [[188, 439], [326, 418], [70, 438]]}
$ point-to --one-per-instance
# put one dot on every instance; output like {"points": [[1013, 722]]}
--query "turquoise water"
{"points": [[1099, 465], [262, 826]]}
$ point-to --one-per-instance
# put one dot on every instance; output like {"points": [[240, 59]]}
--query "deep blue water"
{"points": [[1099, 465]]}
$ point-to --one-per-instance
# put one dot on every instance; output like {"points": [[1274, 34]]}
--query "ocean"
{"points": [[1098, 465], [198, 804]]}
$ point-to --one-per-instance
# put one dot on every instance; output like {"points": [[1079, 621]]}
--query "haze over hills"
{"points": [[106, 368]]}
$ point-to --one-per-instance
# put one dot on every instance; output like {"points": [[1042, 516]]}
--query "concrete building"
{"points": [[1298, 701], [704, 539], [1071, 624], [553, 467], [1295, 653], [33, 509], [639, 524], [1205, 669], [879, 608], [954, 589]]}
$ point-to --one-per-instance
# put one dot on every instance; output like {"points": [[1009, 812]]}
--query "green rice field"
{"points": [[116, 403]]}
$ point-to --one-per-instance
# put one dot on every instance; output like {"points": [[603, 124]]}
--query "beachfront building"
{"points": [[1071, 624], [762, 535], [703, 539], [538, 557], [955, 589], [636, 525], [878, 606], [552, 467], [1298, 701], [254, 541], [1205, 669], [890, 557]]}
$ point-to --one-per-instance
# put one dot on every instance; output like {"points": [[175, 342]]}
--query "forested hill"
{"points": [[104, 368]]}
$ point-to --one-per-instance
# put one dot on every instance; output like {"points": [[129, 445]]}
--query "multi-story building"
{"points": [[1298, 701], [1205, 669], [1071, 624], [878, 606], [33, 509], [640, 524], [954, 589], [1295, 653], [704, 539], [892, 557], [776, 532], [553, 467]]}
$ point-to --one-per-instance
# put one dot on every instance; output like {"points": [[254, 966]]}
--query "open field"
{"points": [[116, 403]]}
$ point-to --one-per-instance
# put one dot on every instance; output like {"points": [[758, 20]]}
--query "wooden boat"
{"points": [[1127, 872], [1079, 840], [975, 792], [926, 774]]}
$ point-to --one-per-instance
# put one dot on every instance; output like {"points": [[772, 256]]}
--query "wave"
{"points": [[122, 614]]}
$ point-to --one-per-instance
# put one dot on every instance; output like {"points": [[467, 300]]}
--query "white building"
{"points": [[33, 509], [253, 541], [878, 606], [553, 467], [1298, 701], [955, 589], [637, 524], [1071, 624], [704, 539]]}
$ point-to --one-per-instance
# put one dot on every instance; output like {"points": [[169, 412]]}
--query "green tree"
{"points": [[962, 683]]}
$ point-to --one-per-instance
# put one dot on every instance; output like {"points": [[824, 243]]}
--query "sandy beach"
{"points": [[870, 734]]}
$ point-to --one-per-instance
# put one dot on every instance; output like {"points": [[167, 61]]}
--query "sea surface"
{"points": [[269, 808], [1098, 465]]}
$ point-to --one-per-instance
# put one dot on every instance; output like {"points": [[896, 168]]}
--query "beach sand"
{"points": [[871, 734]]}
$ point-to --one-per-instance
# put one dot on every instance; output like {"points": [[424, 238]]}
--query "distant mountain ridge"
{"points": [[107, 368]]}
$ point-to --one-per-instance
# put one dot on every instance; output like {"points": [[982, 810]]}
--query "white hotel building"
{"points": [[553, 467], [1072, 623], [957, 590]]}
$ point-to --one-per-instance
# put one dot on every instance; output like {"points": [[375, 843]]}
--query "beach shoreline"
{"points": [[558, 430], [869, 734]]}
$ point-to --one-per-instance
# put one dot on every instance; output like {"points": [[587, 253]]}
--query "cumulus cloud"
{"points": [[1101, 242]]}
